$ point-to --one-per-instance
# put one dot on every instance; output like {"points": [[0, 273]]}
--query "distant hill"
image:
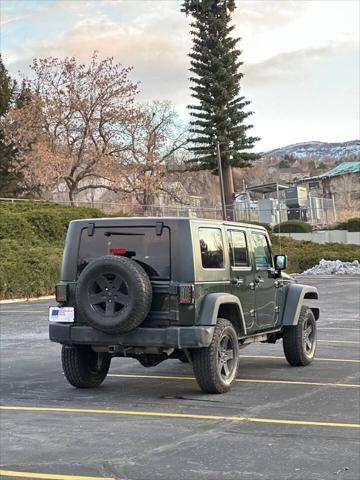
{"points": [[344, 151]]}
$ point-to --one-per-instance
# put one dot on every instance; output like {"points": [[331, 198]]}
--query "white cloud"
{"points": [[297, 53]]}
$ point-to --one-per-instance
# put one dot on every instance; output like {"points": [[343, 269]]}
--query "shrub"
{"points": [[265, 225], [303, 255], [292, 226], [31, 243], [28, 270], [351, 225], [14, 225]]}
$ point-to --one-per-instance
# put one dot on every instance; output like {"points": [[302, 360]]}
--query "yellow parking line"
{"points": [[339, 328], [241, 380], [180, 415], [22, 311], [338, 341], [351, 360], [50, 476]]}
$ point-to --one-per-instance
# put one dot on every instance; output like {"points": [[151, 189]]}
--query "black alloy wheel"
{"points": [[113, 294]]}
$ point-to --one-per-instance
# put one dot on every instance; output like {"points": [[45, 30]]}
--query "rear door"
{"points": [[147, 245], [265, 291], [242, 274]]}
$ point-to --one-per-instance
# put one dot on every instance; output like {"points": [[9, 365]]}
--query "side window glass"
{"points": [[238, 249], [212, 248], [263, 258]]}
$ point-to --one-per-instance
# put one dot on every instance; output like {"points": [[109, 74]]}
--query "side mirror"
{"points": [[280, 262]]}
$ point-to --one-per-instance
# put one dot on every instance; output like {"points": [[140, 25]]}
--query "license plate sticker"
{"points": [[61, 314]]}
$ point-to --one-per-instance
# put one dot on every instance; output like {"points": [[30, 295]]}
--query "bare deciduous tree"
{"points": [[76, 135], [155, 141]]}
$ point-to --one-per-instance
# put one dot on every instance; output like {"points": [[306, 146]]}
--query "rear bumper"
{"points": [[170, 337]]}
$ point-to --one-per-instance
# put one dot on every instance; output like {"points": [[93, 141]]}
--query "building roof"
{"points": [[341, 169], [345, 167], [267, 188]]}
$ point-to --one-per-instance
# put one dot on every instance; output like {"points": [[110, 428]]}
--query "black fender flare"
{"points": [[294, 301], [210, 309]]}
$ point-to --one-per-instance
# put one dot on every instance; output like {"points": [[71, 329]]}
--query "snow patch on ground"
{"points": [[334, 267]]}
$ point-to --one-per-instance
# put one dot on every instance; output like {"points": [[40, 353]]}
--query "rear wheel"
{"points": [[216, 366], [84, 368], [300, 341]]}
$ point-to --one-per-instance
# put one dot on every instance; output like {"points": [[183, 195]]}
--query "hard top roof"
{"points": [[147, 220]]}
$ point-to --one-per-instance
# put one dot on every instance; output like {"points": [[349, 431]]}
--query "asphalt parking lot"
{"points": [[277, 423]]}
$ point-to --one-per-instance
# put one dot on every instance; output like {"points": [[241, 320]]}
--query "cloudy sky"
{"points": [[301, 57]]}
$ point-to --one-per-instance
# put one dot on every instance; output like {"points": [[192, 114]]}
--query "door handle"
{"points": [[252, 285], [237, 281]]}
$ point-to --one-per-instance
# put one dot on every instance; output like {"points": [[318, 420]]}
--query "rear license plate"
{"points": [[61, 314]]}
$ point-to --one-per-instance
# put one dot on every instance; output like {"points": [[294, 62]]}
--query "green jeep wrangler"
{"points": [[159, 288]]}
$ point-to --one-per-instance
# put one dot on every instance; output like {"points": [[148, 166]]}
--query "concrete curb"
{"points": [[32, 299]]}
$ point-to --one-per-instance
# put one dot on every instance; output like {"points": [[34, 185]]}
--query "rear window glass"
{"points": [[212, 248], [142, 244]]}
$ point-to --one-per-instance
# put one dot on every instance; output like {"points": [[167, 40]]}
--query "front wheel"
{"points": [[300, 341], [216, 366], [84, 368]]}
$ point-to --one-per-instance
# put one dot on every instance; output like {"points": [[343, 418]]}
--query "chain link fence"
{"points": [[318, 212]]}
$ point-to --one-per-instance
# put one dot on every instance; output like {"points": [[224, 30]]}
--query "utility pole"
{"points": [[222, 194]]}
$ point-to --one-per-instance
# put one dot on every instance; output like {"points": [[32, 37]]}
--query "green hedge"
{"points": [[32, 237], [303, 255], [292, 226], [28, 270], [351, 225], [265, 225]]}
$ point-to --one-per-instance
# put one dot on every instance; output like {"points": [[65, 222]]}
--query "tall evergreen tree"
{"points": [[9, 179], [219, 113]]}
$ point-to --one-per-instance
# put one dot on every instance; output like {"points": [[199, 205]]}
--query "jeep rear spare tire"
{"points": [[113, 294]]}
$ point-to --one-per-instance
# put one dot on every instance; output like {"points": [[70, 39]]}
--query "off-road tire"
{"points": [[84, 368], [206, 360], [294, 344], [131, 277]]}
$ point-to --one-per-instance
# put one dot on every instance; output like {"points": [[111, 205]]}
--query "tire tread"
{"points": [[292, 341], [76, 369], [205, 360]]}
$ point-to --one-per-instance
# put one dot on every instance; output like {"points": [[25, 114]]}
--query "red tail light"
{"points": [[61, 292], [186, 294], [118, 251]]}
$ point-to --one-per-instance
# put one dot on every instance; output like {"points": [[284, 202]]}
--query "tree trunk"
{"points": [[71, 195], [228, 190]]}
